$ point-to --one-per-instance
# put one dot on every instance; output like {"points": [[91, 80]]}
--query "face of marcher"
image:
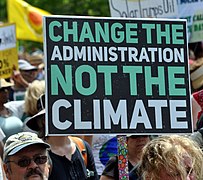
{"points": [[172, 176], [136, 143], [36, 169], [4, 94], [41, 125], [29, 75], [167, 176]]}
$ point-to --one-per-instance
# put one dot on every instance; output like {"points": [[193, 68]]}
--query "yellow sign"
{"points": [[28, 20], [8, 50]]}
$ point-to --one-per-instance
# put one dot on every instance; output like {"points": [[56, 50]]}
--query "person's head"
{"points": [[37, 122], [136, 143], [4, 90], [172, 157], [32, 94], [28, 71], [26, 157]]}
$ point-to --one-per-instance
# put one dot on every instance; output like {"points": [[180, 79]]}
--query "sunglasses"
{"points": [[27, 161], [28, 71]]}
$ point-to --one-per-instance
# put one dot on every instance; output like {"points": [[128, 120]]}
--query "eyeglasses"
{"points": [[28, 71], [27, 161]]}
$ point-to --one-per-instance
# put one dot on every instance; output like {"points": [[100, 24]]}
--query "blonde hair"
{"points": [[166, 153], [32, 94]]}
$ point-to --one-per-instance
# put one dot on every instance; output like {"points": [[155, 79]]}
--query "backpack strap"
{"points": [[81, 146]]}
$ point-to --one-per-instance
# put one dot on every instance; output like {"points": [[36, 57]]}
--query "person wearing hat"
{"points": [[68, 164], [27, 73], [9, 123], [135, 143], [26, 157], [4, 88]]}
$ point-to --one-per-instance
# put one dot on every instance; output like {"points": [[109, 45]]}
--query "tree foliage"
{"points": [[62, 7], [74, 7], [66, 7]]}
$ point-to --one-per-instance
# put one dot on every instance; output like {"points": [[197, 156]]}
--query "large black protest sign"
{"points": [[107, 75]]}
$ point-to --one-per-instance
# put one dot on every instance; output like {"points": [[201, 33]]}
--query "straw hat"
{"points": [[4, 83]]}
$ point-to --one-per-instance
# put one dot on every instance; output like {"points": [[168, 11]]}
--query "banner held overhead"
{"points": [[28, 20]]}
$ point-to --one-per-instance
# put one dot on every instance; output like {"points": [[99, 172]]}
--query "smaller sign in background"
{"points": [[192, 11], [8, 50]]}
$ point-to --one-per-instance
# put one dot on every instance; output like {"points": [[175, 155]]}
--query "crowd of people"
{"points": [[28, 153]]}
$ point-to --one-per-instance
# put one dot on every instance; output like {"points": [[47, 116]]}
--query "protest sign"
{"points": [[191, 10], [143, 8], [115, 75], [8, 50]]}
